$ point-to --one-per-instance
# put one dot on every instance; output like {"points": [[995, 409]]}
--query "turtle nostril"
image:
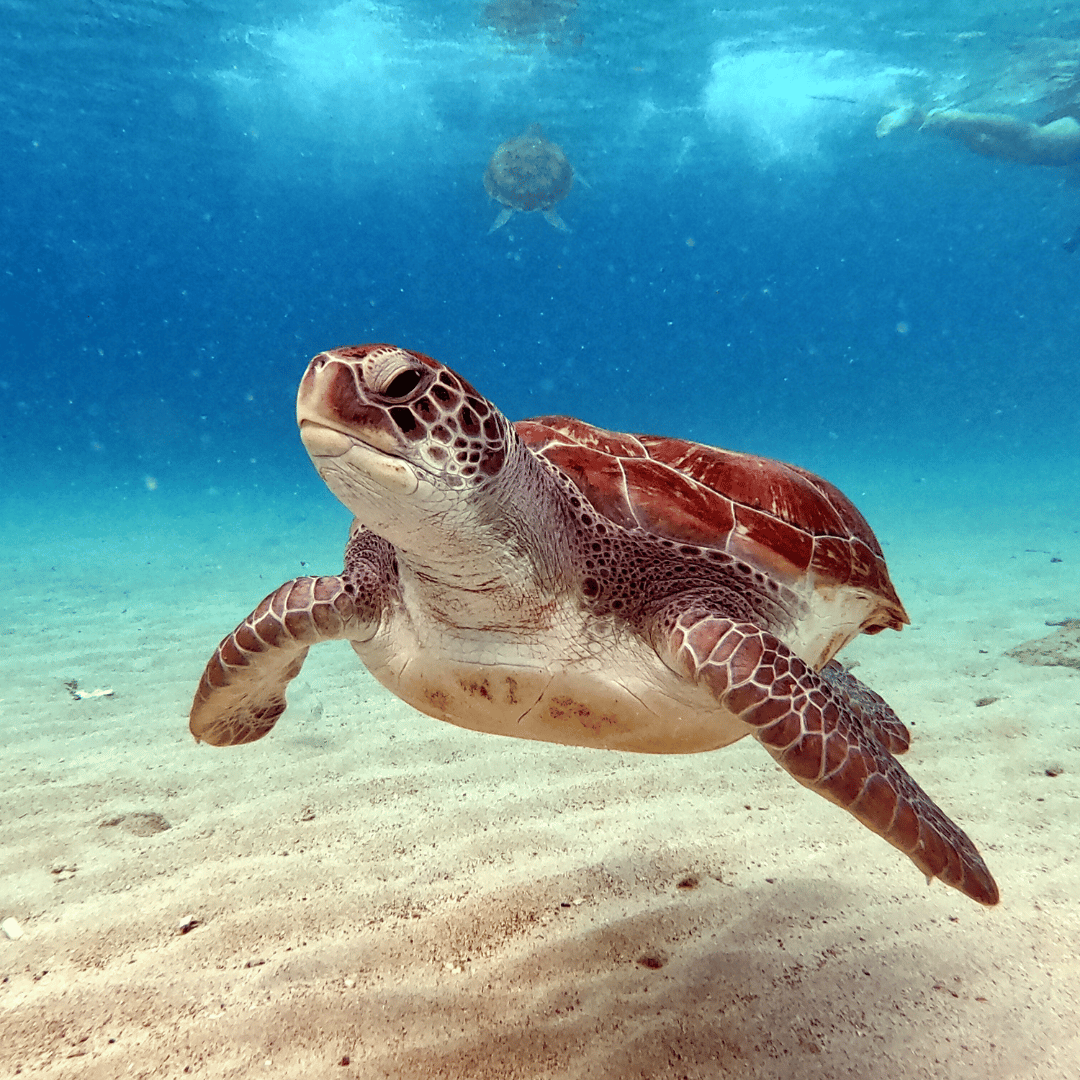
{"points": [[402, 384]]}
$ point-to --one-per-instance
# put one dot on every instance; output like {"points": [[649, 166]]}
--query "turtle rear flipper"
{"points": [[505, 214], [551, 216], [242, 692], [807, 724]]}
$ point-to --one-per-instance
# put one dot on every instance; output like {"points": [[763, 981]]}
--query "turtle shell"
{"points": [[782, 519], [528, 173]]}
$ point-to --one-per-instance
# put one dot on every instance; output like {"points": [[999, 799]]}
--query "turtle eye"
{"points": [[403, 384]]}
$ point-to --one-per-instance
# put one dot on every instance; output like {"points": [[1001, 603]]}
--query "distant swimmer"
{"points": [[1056, 143], [996, 135]]}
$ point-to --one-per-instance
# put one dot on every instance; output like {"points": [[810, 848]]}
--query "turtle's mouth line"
{"points": [[345, 455], [327, 441]]}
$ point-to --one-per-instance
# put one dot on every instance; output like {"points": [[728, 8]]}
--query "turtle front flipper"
{"points": [[872, 709], [826, 742], [242, 692]]}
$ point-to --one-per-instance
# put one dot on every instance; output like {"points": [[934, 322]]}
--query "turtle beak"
{"points": [[321, 441], [352, 444], [334, 415]]}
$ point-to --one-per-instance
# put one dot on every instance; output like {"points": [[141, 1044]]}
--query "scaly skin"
{"points": [[825, 743], [242, 691]]}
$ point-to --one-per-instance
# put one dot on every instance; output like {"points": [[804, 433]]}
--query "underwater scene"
{"points": [[776, 594]]}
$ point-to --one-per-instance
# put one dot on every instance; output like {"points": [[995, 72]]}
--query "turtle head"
{"points": [[399, 437]]}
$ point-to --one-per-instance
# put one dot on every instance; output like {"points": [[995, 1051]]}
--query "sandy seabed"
{"points": [[369, 893]]}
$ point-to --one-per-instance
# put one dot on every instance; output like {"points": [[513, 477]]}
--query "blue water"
{"points": [[199, 197]]}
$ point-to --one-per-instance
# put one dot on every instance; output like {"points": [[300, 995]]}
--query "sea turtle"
{"points": [[529, 18], [528, 173], [551, 580]]}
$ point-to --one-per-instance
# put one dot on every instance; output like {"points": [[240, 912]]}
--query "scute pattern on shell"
{"points": [[777, 517]]}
